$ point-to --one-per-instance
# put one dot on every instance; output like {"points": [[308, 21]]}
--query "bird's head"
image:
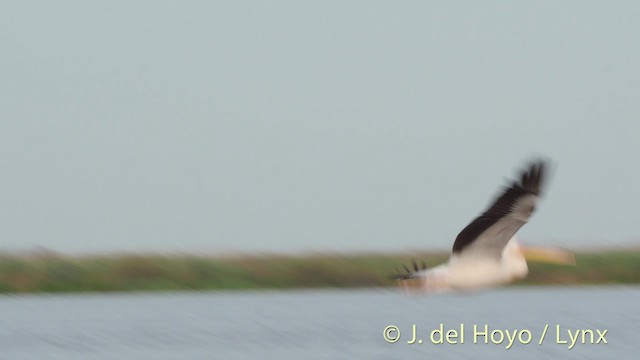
{"points": [[550, 255]]}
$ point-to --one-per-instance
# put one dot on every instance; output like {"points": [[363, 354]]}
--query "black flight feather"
{"points": [[531, 182]]}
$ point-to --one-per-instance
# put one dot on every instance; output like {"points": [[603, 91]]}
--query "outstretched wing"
{"points": [[490, 232]]}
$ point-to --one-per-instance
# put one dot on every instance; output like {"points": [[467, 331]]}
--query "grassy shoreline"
{"points": [[51, 273]]}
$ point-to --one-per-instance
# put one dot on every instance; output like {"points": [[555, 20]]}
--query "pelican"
{"points": [[486, 253]]}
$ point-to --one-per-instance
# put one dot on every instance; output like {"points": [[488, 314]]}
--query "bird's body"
{"points": [[486, 252], [471, 272]]}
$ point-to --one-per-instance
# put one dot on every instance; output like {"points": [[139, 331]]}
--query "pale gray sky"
{"points": [[312, 125]]}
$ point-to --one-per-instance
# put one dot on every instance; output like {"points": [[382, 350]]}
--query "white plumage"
{"points": [[486, 252]]}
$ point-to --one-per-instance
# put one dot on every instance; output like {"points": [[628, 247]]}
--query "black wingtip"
{"points": [[408, 273], [531, 179], [533, 176]]}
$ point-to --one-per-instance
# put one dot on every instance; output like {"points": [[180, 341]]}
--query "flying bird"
{"points": [[486, 253]]}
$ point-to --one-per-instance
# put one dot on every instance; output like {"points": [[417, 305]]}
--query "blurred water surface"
{"points": [[316, 324]]}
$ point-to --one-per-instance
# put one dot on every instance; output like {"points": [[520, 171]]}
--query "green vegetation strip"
{"points": [[56, 273]]}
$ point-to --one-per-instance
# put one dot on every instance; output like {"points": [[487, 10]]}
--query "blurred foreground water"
{"points": [[322, 324]]}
